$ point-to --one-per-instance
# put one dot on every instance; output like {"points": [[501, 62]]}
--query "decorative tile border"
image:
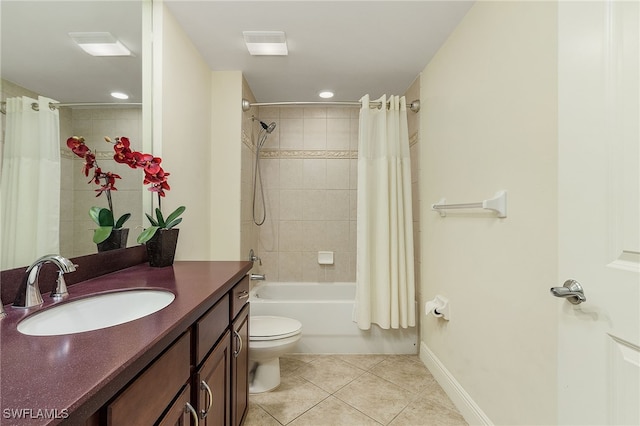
{"points": [[292, 153], [100, 155], [285, 153], [413, 139]]}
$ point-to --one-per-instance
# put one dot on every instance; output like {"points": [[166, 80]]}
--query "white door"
{"points": [[599, 214]]}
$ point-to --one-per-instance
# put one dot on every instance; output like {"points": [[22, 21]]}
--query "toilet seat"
{"points": [[262, 328]]}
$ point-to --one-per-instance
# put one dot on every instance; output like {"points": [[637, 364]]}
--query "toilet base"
{"points": [[264, 376]]}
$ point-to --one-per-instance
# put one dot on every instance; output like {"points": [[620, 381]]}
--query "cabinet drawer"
{"points": [[210, 327], [239, 296], [146, 398]]}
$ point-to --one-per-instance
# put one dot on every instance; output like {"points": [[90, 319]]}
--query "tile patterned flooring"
{"points": [[349, 390]]}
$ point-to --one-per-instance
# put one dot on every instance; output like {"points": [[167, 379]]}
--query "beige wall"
{"points": [[226, 164], [249, 231], [489, 123], [185, 136]]}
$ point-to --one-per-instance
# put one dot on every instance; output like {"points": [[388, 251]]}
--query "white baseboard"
{"points": [[471, 412]]}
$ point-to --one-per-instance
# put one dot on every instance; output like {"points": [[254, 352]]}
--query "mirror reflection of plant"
{"points": [[155, 176], [103, 217]]}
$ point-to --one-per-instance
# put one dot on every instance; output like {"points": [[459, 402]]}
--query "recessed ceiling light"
{"points": [[100, 44], [119, 95], [326, 94], [266, 43]]}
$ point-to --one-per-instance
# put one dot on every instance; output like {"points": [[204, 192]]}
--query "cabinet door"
{"points": [[213, 385], [147, 397], [181, 412], [240, 367]]}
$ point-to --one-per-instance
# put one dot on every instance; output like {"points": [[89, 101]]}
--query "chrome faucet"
{"points": [[253, 257], [257, 277], [29, 292]]}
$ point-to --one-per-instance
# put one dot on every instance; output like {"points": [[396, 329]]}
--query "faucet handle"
{"points": [[253, 257], [60, 291]]}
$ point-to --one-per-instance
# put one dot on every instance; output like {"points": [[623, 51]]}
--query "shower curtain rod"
{"points": [[53, 105], [413, 106]]}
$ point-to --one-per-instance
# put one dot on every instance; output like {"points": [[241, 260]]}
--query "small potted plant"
{"points": [[110, 234], [161, 237]]}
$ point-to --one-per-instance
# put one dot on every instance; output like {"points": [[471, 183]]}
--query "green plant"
{"points": [[103, 217], [159, 222]]}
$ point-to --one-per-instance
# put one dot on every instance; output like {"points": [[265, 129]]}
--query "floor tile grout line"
{"points": [[416, 395], [309, 409], [357, 409]]}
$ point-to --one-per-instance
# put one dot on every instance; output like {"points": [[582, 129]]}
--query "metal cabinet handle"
{"points": [[243, 294], [236, 353], [194, 414], [205, 386], [571, 290]]}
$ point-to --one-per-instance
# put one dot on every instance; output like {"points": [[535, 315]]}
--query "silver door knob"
{"points": [[571, 290]]}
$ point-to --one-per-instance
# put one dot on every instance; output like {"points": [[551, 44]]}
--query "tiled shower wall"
{"points": [[309, 175]]}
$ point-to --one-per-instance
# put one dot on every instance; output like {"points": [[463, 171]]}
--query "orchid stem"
{"points": [[109, 196]]}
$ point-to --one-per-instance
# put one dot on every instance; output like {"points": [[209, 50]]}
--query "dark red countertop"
{"points": [[78, 373]]}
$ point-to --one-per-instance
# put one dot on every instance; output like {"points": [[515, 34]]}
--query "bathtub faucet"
{"points": [[257, 277]]}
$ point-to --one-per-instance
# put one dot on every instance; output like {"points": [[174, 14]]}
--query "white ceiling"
{"points": [[38, 54], [351, 47]]}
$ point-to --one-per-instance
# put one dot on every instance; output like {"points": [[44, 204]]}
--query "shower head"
{"points": [[268, 127]]}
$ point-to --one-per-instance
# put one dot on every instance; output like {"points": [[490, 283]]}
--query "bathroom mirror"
{"points": [[38, 57]]}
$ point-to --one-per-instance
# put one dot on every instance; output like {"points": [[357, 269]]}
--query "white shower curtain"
{"points": [[30, 182], [385, 272]]}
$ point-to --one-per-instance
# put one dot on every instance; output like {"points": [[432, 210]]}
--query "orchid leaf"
{"points": [[160, 218], [101, 234], [105, 218], [147, 234], [122, 220], [94, 212], [151, 219], [173, 223], [173, 216]]}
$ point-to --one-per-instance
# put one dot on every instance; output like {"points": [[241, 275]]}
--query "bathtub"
{"points": [[325, 311]]}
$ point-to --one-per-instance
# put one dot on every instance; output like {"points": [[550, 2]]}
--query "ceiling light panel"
{"points": [[273, 43], [100, 44]]}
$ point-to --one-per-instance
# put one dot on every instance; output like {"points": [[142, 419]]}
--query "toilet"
{"points": [[270, 337]]}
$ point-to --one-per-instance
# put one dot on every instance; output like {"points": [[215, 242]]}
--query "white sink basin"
{"points": [[95, 312]]}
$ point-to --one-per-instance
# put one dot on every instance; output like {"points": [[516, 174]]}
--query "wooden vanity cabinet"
{"points": [[240, 367], [203, 374], [222, 379]]}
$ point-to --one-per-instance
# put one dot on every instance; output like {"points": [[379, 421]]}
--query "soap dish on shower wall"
{"points": [[325, 257]]}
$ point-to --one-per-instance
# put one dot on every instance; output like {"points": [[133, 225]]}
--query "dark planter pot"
{"points": [[161, 248], [117, 240]]}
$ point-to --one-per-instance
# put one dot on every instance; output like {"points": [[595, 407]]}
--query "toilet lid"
{"points": [[270, 327]]}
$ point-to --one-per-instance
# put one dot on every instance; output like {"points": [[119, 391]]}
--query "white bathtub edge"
{"points": [[471, 412]]}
